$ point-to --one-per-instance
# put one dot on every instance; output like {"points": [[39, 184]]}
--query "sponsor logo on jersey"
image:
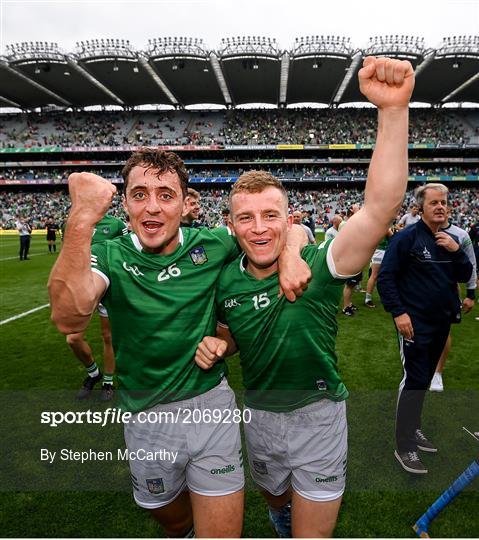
{"points": [[231, 303], [260, 467], [426, 253], [225, 470], [324, 479], [132, 269], [321, 384], [155, 485], [198, 255]]}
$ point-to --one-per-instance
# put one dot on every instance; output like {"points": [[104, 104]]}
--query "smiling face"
{"points": [[434, 210], [154, 204], [192, 209], [261, 224]]}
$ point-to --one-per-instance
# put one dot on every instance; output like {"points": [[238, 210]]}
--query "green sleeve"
{"points": [[229, 241], [122, 228], [99, 260], [317, 259]]}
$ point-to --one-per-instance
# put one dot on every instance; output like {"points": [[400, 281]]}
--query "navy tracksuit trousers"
{"points": [[419, 357]]}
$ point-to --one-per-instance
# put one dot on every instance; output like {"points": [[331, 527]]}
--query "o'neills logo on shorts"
{"points": [[321, 479], [224, 470]]}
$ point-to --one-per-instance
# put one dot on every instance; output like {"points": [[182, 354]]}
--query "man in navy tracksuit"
{"points": [[418, 286]]}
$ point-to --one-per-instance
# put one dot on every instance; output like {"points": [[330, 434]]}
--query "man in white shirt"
{"points": [[410, 218], [25, 232], [334, 229]]}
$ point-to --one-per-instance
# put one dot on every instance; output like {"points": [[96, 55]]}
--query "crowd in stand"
{"points": [[37, 207], [236, 127], [298, 172], [332, 126], [85, 129]]}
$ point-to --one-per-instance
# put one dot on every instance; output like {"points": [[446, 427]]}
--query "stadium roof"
{"points": [[181, 71]]}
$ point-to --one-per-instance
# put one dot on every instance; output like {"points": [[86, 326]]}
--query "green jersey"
{"points": [[107, 228], [287, 350], [160, 307]]}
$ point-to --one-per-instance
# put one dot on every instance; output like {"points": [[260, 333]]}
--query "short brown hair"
{"points": [[256, 182], [157, 160], [193, 193]]}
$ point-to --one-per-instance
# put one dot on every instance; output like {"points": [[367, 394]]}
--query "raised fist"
{"points": [[386, 82], [91, 196]]}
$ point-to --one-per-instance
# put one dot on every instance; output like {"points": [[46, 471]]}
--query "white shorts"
{"points": [[202, 456], [378, 256], [305, 448]]}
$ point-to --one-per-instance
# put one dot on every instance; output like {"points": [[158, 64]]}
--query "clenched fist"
{"points": [[209, 351], [91, 196], [386, 82]]}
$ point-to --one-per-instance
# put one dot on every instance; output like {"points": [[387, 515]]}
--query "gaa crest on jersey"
{"points": [[105, 230], [198, 255], [155, 485], [321, 385]]}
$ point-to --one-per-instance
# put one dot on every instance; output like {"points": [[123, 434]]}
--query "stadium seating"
{"points": [[244, 127], [38, 206]]}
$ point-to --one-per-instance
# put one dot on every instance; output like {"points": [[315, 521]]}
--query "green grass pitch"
{"points": [[38, 372]]}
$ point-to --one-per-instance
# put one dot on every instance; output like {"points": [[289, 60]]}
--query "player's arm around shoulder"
{"points": [[73, 288], [294, 273]]}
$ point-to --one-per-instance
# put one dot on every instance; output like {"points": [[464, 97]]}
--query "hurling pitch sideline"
{"points": [[39, 373]]}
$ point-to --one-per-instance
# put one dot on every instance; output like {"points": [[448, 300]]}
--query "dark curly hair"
{"points": [[158, 161]]}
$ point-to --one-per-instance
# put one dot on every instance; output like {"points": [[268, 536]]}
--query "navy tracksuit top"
{"points": [[420, 278]]}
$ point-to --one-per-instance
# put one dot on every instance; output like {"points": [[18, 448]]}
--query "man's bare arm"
{"points": [[388, 84], [294, 273], [73, 288]]}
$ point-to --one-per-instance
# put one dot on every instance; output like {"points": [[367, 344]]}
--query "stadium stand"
{"points": [[58, 176], [247, 127], [39, 206]]}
